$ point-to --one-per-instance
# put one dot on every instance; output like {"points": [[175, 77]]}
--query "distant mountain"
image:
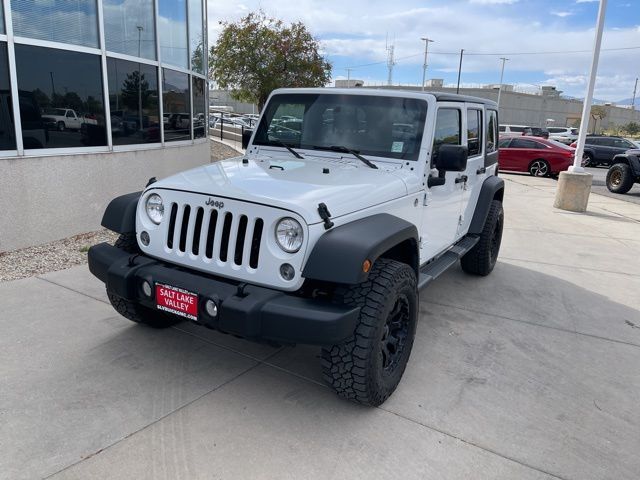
{"points": [[626, 101]]}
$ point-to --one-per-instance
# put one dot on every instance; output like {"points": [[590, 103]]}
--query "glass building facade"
{"points": [[101, 75]]}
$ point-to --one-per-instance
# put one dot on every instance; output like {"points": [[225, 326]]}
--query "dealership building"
{"points": [[96, 97]]}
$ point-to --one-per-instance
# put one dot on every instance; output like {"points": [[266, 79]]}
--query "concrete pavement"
{"points": [[530, 373]]}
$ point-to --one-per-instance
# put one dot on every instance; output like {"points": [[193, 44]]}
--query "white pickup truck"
{"points": [[62, 119]]}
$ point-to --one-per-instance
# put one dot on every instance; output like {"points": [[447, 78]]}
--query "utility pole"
{"points": [[459, 71], [426, 41], [501, 77], [633, 101], [349, 77]]}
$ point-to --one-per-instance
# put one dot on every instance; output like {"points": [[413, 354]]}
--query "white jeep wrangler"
{"points": [[346, 204]]}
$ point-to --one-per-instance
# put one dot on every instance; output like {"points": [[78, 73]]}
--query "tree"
{"points": [[259, 54], [632, 128], [598, 112]]}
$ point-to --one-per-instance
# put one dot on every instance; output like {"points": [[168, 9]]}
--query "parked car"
{"points": [[566, 135], [513, 130], [537, 132], [539, 157], [34, 132], [600, 150], [624, 172], [62, 119]]}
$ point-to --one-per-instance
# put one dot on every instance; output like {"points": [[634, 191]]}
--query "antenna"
{"points": [[391, 62]]}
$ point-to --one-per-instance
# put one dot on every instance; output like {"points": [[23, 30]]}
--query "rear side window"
{"points": [[474, 131], [448, 129], [517, 129], [504, 143], [523, 143], [492, 134], [503, 128], [555, 130]]}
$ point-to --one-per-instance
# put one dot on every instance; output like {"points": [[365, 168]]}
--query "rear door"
{"points": [[506, 155], [475, 173]]}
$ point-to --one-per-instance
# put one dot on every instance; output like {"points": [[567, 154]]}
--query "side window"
{"points": [[503, 128], [448, 130], [492, 134], [522, 143], [474, 131], [517, 129], [504, 143]]}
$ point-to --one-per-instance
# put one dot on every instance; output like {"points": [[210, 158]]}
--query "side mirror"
{"points": [[452, 158], [246, 137]]}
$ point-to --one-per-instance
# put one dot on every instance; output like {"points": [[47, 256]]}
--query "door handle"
{"points": [[481, 171], [462, 179]]}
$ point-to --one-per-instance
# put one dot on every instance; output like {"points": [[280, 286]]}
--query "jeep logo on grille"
{"points": [[214, 203]]}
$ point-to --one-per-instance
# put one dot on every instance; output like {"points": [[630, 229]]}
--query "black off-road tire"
{"points": [[620, 178], [367, 367], [481, 259], [131, 310], [140, 314]]}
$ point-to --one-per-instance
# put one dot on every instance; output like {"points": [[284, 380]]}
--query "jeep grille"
{"points": [[215, 234]]}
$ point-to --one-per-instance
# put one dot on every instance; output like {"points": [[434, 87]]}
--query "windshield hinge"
{"points": [[325, 215]]}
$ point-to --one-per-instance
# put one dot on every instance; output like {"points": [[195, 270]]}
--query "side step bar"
{"points": [[437, 267]]}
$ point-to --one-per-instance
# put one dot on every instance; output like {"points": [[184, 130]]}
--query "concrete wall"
{"points": [[528, 109], [223, 98], [49, 198]]}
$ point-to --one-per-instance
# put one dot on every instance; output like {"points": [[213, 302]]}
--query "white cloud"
{"points": [[358, 29], [587, 1], [562, 14]]}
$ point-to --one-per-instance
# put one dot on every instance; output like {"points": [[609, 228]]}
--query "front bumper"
{"points": [[253, 312]]}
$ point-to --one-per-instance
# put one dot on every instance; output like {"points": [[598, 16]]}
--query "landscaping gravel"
{"points": [[50, 257], [71, 251]]}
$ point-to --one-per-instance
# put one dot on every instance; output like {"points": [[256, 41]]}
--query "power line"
{"points": [[493, 54]]}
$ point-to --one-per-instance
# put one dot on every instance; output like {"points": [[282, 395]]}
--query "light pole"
{"points": [[349, 77], [574, 185], [140, 29], [633, 101], [501, 77], [426, 41], [459, 71]]}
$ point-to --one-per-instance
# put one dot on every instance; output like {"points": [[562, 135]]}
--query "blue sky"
{"points": [[354, 33]]}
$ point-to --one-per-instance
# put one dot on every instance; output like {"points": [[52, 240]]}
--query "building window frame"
{"points": [[12, 40]]}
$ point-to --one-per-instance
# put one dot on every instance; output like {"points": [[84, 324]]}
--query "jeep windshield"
{"points": [[377, 126]]}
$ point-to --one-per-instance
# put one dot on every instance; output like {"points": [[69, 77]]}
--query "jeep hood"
{"points": [[292, 184]]}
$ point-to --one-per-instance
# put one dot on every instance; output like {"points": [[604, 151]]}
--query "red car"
{"points": [[539, 157]]}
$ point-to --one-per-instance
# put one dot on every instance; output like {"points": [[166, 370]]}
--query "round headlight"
{"points": [[289, 235], [155, 208]]}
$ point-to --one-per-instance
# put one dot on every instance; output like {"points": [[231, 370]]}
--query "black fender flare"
{"points": [[492, 189], [338, 255], [632, 160], [120, 215]]}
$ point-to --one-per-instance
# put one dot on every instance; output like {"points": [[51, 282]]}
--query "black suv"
{"points": [[600, 150]]}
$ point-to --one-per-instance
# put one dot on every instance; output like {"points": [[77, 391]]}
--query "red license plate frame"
{"points": [[177, 301]]}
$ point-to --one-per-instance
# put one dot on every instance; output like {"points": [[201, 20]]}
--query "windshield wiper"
{"points": [[288, 147], [355, 153]]}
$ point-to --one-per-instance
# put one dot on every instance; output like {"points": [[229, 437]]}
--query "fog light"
{"points": [[211, 308], [146, 288], [287, 272], [145, 239]]}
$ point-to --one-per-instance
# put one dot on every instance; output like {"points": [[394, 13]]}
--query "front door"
{"points": [[441, 215]]}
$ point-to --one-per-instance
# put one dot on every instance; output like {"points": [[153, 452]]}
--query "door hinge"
{"points": [[425, 200], [460, 220]]}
